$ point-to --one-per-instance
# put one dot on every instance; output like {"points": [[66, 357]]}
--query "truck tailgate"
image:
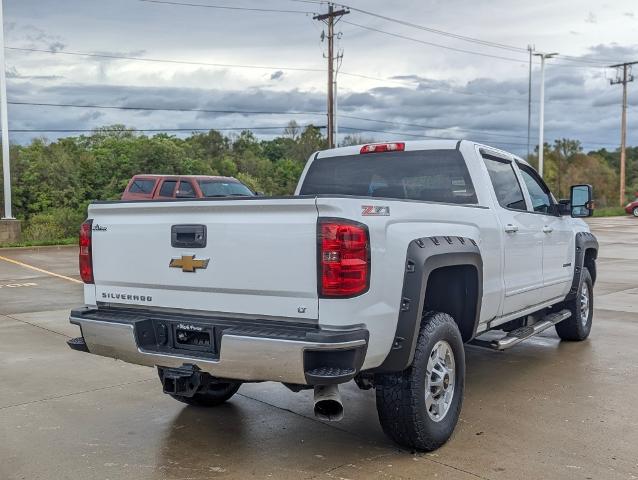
{"points": [[261, 256]]}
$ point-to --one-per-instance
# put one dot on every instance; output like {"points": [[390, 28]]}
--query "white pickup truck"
{"points": [[388, 258]]}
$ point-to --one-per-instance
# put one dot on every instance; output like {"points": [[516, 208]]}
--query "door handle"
{"points": [[547, 229], [509, 228]]}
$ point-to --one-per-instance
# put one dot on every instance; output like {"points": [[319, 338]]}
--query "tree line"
{"points": [[53, 181]]}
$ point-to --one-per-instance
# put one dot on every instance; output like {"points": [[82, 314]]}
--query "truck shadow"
{"points": [[270, 430]]}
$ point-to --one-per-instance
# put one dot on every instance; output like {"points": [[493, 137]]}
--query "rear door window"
{"points": [[426, 175], [508, 190], [185, 190], [142, 185], [168, 188]]}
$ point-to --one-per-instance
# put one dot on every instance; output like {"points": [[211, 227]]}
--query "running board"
{"points": [[523, 333]]}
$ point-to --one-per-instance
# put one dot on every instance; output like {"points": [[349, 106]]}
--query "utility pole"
{"points": [[626, 78], [529, 100], [329, 19], [6, 168], [541, 115]]}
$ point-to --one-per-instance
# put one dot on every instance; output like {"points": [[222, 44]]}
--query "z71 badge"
{"points": [[375, 211]]}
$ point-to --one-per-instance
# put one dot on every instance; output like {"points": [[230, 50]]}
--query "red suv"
{"points": [[632, 207], [154, 187]]}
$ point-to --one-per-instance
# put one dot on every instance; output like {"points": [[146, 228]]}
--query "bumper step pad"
{"points": [[78, 344]]}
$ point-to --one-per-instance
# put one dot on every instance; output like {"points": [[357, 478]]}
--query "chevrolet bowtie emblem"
{"points": [[188, 263]]}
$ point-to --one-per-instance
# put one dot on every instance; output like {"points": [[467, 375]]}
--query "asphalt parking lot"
{"points": [[544, 409]]}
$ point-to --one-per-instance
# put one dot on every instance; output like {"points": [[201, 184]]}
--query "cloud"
{"points": [[446, 92], [12, 72], [56, 46], [497, 110], [31, 36]]}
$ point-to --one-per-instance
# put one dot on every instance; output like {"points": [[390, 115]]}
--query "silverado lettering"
{"points": [[126, 296]]}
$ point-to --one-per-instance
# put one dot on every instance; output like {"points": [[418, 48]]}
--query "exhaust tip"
{"points": [[328, 404], [329, 410]]}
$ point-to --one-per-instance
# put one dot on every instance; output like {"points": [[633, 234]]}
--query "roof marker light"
{"points": [[383, 147]]}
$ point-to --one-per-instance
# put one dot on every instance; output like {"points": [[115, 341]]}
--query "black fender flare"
{"points": [[584, 241], [424, 255]]}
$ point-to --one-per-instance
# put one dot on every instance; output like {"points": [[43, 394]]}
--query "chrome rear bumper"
{"points": [[241, 357]]}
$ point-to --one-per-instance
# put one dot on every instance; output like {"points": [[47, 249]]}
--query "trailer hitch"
{"points": [[183, 381]]}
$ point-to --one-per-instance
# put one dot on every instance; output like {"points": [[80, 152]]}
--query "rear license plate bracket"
{"points": [[188, 336]]}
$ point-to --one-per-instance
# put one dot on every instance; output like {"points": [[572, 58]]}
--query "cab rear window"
{"points": [[426, 175]]}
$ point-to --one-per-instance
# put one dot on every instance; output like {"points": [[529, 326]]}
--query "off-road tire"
{"points": [[401, 402], [215, 394], [574, 328]]}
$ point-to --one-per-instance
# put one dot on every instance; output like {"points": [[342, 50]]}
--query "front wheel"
{"points": [[635, 212], [578, 326], [419, 407]]}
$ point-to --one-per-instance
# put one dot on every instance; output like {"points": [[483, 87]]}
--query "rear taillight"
{"points": [[86, 253], [343, 258], [383, 147]]}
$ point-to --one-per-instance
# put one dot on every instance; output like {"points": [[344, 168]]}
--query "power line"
{"points": [[461, 50], [490, 141], [164, 60], [166, 109], [486, 43], [254, 112], [226, 7], [280, 127], [265, 112], [478, 41], [224, 65], [597, 63], [402, 134], [133, 130], [431, 127]]}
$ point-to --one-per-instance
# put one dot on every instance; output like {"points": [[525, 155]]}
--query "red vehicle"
{"points": [[632, 207], [155, 187]]}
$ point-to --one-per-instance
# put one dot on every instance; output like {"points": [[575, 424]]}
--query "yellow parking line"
{"points": [[25, 265]]}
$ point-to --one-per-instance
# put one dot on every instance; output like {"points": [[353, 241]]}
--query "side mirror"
{"points": [[259, 194], [581, 201]]}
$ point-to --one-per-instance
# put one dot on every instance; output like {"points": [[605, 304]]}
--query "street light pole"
{"points": [[529, 99], [6, 168], [541, 119]]}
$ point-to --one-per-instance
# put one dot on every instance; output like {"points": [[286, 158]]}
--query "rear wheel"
{"points": [[419, 407], [578, 326], [215, 394], [635, 211]]}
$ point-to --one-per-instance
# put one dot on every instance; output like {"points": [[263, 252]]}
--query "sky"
{"points": [[396, 81]]}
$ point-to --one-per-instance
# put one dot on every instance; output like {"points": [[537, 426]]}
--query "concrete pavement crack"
{"points": [[76, 393], [35, 325]]}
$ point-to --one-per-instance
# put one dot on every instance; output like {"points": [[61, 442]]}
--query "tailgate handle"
{"points": [[188, 236]]}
